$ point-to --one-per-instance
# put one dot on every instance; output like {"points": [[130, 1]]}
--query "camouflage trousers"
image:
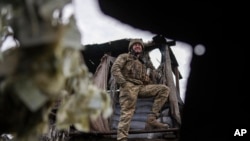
{"points": [[128, 97]]}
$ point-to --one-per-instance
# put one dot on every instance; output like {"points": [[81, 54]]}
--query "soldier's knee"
{"points": [[165, 88]]}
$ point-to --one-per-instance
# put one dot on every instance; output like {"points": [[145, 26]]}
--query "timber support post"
{"points": [[169, 81]]}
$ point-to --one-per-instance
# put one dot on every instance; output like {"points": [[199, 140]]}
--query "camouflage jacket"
{"points": [[129, 68]]}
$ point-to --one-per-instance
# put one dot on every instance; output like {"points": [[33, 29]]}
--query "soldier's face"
{"points": [[137, 47]]}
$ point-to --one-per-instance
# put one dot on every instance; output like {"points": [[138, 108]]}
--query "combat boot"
{"points": [[152, 123]]}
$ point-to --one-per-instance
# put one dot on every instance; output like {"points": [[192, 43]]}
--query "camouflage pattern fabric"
{"points": [[130, 74]]}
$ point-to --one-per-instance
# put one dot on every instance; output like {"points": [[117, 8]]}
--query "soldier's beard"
{"points": [[137, 54]]}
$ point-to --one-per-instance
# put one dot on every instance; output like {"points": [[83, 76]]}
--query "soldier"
{"points": [[133, 75]]}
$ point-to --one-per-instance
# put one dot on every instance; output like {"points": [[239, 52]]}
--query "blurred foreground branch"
{"points": [[48, 66]]}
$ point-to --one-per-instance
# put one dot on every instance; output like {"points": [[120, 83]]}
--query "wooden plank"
{"points": [[76, 133], [169, 81]]}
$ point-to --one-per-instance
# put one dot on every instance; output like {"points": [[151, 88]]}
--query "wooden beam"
{"points": [[78, 133], [169, 81], [177, 78]]}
